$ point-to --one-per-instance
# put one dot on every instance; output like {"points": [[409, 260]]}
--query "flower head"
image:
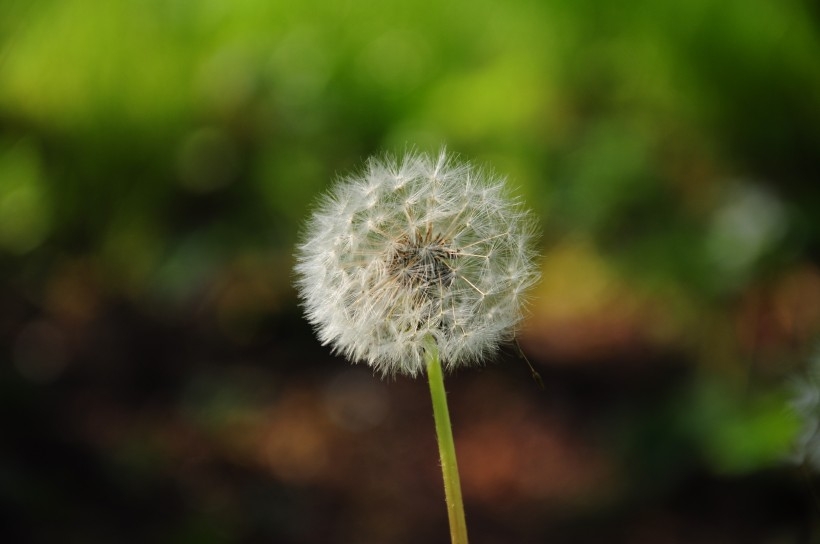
{"points": [[805, 403], [411, 249]]}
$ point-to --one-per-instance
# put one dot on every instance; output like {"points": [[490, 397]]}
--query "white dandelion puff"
{"points": [[411, 249], [805, 403]]}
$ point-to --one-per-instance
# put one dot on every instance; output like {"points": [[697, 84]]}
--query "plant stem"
{"points": [[446, 446]]}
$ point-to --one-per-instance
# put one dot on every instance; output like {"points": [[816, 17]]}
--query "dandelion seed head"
{"points": [[805, 402], [423, 246]]}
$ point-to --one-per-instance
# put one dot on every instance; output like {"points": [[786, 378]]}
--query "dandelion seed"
{"points": [[425, 247]]}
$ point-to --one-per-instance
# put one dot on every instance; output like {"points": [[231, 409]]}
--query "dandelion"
{"points": [[415, 263], [419, 248], [805, 403]]}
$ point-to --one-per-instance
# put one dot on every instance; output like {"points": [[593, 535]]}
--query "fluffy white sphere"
{"points": [[416, 248]]}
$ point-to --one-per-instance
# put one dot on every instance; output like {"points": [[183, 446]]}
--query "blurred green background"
{"points": [[159, 384]]}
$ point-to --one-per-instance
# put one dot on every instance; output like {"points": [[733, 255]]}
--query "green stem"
{"points": [[446, 446]]}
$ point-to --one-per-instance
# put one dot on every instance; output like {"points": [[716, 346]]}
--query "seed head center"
{"points": [[423, 262]]}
